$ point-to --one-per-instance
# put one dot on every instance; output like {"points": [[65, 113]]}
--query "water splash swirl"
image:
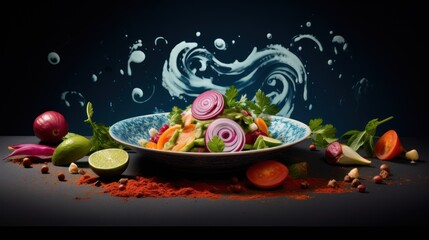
{"points": [[191, 70]]}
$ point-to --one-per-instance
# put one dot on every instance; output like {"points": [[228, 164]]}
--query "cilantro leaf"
{"points": [[230, 96], [357, 139], [321, 135], [262, 104], [101, 138], [216, 144]]}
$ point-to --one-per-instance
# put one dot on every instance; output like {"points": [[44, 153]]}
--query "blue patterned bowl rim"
{"points": [[129, 131]]}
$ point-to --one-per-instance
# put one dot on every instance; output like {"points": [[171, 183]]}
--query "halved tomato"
{"points": [[388, 146], [267, 174]]}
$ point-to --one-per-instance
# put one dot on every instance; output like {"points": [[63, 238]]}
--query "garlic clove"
{"points": [[354, 173]]}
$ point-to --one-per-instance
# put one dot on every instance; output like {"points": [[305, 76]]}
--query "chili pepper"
{"points": [[30, 150]]}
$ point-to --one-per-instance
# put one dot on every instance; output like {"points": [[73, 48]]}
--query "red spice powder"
{"points": [[156, 187]]}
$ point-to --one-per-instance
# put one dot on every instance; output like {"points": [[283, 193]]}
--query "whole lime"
{"points": [[109, 162], [71, 150]]}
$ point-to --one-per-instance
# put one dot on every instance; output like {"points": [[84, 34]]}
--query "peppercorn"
{"points": [[26, 162], [121, 187], [385, 167], [355, 182], [61, 176], [361, 188], [81, 171], [312, 147], [377, 179], [384, 174], [332, 183], [44, 169], [123, 181], [347, 178]]}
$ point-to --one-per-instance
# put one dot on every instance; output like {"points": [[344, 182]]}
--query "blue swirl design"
{"points": [[191, 70]]}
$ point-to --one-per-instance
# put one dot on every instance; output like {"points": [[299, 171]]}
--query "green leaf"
{"points": [[321, 135], [101, 138], [216, 144], [175, 116], [357, 139], [315, 123], [262, 104], [230, 96]]}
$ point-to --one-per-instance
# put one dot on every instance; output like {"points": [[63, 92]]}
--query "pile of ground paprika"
{"points": [[230, 188]]}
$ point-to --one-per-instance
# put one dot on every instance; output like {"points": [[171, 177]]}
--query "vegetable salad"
{"points": [[217, 122]]}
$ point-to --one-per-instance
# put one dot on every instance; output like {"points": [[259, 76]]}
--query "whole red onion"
{"points": [[50, 127]]}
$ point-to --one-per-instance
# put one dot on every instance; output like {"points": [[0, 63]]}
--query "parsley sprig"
{"points": [[322, 135], [262, 104], [216, 144], [101, 138]]}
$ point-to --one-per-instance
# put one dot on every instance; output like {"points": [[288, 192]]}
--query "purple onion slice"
{"points": [[208, 105], [229, 131]]}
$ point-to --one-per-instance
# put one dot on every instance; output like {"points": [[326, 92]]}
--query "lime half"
{"points": [[109, 162]]}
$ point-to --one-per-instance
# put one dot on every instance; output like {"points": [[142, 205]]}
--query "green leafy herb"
{"points": [[262, 104], [231, 95], [321, 135], [101, 138], [216, 144], [357, 139], [175, 116]]}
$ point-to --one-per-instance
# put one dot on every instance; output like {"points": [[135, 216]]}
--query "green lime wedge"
{"points": [[109, 162]]}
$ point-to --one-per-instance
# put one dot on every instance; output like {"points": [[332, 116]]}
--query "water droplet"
{"points": [[269, 35], [94, 78], [53, 58], [299, 48], [308, 24], [135, 57], [329, 62], [233, 41], [220, 44], [121, 71], [197, 34], [310, 106]]}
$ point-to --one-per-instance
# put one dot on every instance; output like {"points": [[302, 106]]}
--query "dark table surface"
{"points": [[29, 198]]}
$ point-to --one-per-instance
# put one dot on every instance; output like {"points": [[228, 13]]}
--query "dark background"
{"points": [[385, 46]]}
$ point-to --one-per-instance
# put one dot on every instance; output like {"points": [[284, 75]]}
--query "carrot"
{"points": [[151, 145], [388, 146], [166, 135], [262, 126], [186, 137]]}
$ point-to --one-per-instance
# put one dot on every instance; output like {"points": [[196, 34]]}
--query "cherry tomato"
{"points": [[388, 146], [267, 174]]}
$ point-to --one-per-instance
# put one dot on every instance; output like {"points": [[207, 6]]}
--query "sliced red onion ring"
{"points": [[229, 131], [208, 105]]}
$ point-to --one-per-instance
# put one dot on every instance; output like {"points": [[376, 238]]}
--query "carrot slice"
{"points": [[166, 135], [186, 137], [388, 146], [262, 126], [151, 145]]}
